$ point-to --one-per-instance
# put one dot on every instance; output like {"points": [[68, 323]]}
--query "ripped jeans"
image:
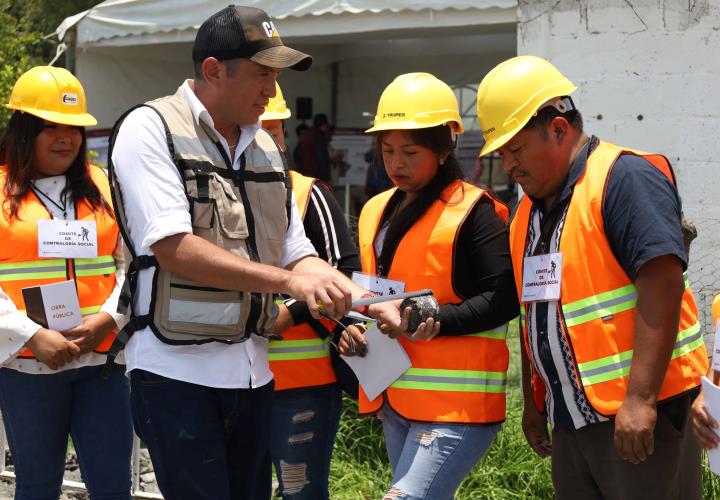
{"points": [[305, 422], [430, 460]]}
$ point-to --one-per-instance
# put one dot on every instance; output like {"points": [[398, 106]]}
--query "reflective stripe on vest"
{"points": [[598, 300], [433, 389], [618, 365], [603, 305], [95, 267], [284, 350], [429, 379], [37, 269]]}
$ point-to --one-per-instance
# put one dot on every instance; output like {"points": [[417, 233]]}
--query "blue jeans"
{"points": [[305, 422], [41, 410], [204, 443], [430, 460]]}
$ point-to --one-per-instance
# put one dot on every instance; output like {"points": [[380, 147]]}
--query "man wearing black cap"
{"points": [[200, 193]]}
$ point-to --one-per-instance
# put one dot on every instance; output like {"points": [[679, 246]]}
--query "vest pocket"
{"points": [[190, 308], [202, 213], [272, 203], [230, 210]]}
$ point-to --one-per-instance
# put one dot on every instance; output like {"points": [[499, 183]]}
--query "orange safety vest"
{"points": [[302, 358], [460, 378], [21, 267], [716, 310], [597, 298]]}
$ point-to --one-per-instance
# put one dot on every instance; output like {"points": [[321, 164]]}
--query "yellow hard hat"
{"points": [[53, 94], [276, 108], [512, 93], [417, 100]]}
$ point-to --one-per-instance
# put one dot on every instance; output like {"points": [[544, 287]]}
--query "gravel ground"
{"points": [[72, 473]]}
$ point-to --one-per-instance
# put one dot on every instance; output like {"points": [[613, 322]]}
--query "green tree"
{"points": [[18, 43], [24, 25]]}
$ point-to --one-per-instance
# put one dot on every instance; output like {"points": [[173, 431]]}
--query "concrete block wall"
{"points": [[648, 77]]}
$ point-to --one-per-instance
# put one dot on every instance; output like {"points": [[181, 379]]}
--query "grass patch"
{"points": [[510, 470]]}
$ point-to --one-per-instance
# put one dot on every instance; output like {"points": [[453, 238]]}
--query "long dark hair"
{"points": [[440, 141], [17, 149]]}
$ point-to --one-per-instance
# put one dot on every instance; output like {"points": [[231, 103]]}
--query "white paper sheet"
{"points": [[711, 393], [384, 362]]}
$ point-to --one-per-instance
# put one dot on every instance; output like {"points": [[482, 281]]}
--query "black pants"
{"points": [[585, 464], [205, 443]]}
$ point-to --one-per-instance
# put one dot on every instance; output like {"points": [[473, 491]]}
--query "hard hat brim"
{"points": [[79, 120], [275, 116], [410, 125], [499, 142]]}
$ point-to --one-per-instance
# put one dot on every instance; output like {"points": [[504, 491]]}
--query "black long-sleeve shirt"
{"points": [[482, 275]]}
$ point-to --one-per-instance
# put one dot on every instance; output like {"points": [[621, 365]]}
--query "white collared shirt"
{"points": [[156, 207]]}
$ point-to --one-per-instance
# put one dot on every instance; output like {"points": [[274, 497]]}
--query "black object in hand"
{"points": [[421, 309]]}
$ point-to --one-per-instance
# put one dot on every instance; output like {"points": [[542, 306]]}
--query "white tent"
{"points": [[129, 51]]}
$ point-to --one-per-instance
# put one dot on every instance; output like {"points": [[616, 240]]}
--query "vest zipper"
{"points": [[69, 263], [255, 298]]}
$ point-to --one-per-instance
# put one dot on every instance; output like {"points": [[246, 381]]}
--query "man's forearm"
{"points": [[199, 260], [660, 287]]}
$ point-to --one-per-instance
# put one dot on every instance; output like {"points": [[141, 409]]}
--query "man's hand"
{"points": [[395, 325], [535, 427], [634, 428], [704, 427], [91, 332], [52, 348], [352, 341], [320, 291]]}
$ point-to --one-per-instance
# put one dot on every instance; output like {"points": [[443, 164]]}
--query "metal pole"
{"points": [[334, 77]]}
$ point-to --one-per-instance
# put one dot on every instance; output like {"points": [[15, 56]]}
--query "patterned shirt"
{"points": [[637, 197]]}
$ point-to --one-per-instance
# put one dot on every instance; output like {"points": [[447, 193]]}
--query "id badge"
{"points": [[67, 239], [541, 277], [378, 285]]}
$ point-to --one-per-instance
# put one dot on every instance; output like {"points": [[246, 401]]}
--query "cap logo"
{"points": [[393, 115], [269, 28], [70, 99]]}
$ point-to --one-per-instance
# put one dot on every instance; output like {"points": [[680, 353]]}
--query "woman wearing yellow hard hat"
{"points": [[308, 374], [435, 231], [60, 280]]}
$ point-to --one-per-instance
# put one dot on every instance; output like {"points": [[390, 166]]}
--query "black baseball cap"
{"points": [[246, 32]]}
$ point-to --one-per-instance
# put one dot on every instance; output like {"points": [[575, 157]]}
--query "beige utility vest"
{"points": [[244, 212]]}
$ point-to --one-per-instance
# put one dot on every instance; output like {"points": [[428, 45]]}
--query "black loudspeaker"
{"points": [[303, 108]]}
